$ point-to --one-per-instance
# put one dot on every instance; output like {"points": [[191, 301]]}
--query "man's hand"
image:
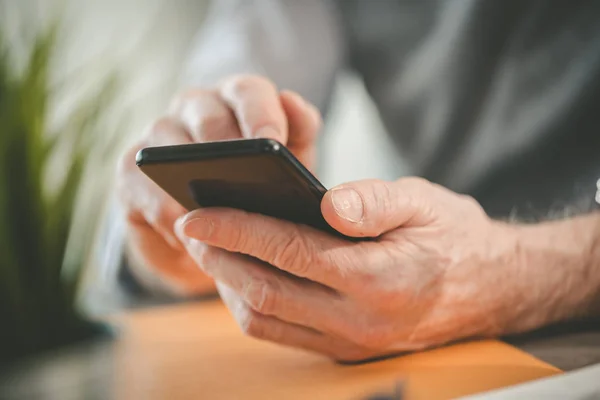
{"points": [[436, 269], [239, 107]]}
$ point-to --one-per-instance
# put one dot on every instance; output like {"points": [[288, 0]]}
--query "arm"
{"points": [[560, 261]]}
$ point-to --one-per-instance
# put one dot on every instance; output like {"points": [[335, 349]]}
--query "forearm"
{"points": [[558, 272]]}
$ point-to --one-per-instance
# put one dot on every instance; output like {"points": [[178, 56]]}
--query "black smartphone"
{"points": [[256, 175]]}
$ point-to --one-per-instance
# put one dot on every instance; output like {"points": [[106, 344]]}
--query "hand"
{"points": [[239, 107], [436, 269]]}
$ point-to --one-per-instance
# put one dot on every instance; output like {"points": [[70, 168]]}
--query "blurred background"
{"points": [[146, 44]]}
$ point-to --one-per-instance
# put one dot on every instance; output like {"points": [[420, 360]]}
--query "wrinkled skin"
{"points": [[429, 267]]}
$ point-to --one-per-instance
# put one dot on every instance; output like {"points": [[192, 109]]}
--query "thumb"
{"points": [[370, 208]]}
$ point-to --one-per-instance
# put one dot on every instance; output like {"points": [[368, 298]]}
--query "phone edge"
{"points": [[208, 150], [195, 151]]}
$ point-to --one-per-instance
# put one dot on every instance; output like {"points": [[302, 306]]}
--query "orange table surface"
{"points": [[196, 351]]}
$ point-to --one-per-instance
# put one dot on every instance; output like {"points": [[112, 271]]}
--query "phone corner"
{"points": [[268, 145], [140, 157]]}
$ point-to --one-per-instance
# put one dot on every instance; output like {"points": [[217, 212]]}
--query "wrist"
{"points": [[556, 272]]}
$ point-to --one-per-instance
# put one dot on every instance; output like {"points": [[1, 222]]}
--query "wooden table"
{"points": [[195, 351]]}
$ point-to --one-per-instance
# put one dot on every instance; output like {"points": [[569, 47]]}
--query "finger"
{"points": [[257, 107], [166, 131], [206, 116], [370, 208], [304, 123], [297, 249], [143, 198], [271, 329], [160, 267], [159, 212], [163, 131], [270, 291]]}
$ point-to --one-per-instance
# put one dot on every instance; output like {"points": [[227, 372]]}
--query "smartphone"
{"points": [[256, 175]]}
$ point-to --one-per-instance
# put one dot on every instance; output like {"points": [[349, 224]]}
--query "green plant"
{"points": [[40, 258]]}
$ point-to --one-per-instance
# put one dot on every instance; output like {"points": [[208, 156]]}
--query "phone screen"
{"points": [[258, 183]]}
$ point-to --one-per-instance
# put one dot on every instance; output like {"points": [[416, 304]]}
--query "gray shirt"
{"points": [[496, 99]]}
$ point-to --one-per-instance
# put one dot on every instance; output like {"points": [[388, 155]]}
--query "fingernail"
{"points": [[190, 243], [255, 294], [197, 228], [348, 204], [172, 240], [178, 227], [194, 246], [267, 132]]}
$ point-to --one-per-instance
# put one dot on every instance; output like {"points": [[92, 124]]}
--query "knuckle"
{"points": [[263, 296], [237, 238], [239, 85], [469, 199], [165, 131], [160, 126], [208, 257], [319, 259], [154, 210], [253, 325], [206, 118], [471, 203], [383, 197], [211, 124], [294, 253], [414, 186], [364, 268]]}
